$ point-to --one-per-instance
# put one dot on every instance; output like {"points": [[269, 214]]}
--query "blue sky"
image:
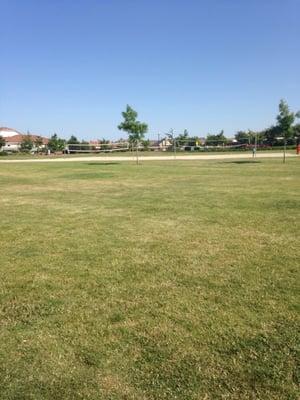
{"points": [[71, 66]]}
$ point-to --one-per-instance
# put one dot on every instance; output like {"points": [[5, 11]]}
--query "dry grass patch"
{"points": [[171, 280]]}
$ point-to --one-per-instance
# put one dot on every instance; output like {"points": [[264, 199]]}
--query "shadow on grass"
{"points": [[241, 162], [104, 163]]}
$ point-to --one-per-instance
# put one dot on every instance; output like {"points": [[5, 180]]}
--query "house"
{"points": [[165, 144], [13, 140], [7, 132]]}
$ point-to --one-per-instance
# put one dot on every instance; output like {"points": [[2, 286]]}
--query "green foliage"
{"points": [[296, 130], [242, 137], [2, 142], [26, 144], [283, 132], [55, 143], [181, 139], [185, 140], [104, 141], [146, 144], [216, 140], [136, 130], [38, 142], [285, 120], [193, 141], [73, 140], [271, 134]]}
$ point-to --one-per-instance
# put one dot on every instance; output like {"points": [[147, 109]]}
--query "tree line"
{"points": [[284, 132]]}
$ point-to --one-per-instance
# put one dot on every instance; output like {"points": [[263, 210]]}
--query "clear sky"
{"points": [[71, 66]]}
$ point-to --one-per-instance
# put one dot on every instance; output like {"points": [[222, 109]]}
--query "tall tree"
{"points": [[296, 130], [2, 142], [146, 144], [285, 120], [216, 140], [271, 134], [136, 130], [182, 139], [242, 137], [103, 141], [26, 144], [73, 140], [38, 142], [55, 143]]}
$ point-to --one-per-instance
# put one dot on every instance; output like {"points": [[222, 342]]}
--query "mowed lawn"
{"points": [[168, 280]]}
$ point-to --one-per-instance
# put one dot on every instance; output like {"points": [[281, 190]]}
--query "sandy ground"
{"points": [[244, 156]]}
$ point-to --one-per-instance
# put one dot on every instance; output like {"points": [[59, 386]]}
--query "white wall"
{"points": [[11, 147], [6, 133]]}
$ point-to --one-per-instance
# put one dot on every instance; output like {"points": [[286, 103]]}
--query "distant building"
{"points": [[13, 139], [7, 132], [165, 144]]}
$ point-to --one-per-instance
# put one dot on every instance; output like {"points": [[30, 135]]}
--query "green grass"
{"points": [[168, 280]]}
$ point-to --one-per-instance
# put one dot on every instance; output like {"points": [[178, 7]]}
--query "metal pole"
{"points": [[174, 142], [137, 152]]}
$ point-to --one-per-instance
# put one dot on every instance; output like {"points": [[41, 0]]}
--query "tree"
{"points": [[26, 144], [73, 140], [104, 141], [285, 120], [38, 142], [271, 134], [296, 130], [146, 144], [242, 137], [136, 130], [182, 139], [193, 141], [104, 144], [185, 140], [2, 142], [55, 143], [250, 137], [216, 140]]}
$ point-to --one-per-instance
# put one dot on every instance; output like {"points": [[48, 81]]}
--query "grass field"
{"points": [[168, 280]]}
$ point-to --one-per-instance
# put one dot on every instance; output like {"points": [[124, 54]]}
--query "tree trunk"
{"points": [[284, 150], [137, 153]]}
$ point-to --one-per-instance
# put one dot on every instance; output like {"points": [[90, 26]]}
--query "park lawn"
{"points": [[167, 280]]}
